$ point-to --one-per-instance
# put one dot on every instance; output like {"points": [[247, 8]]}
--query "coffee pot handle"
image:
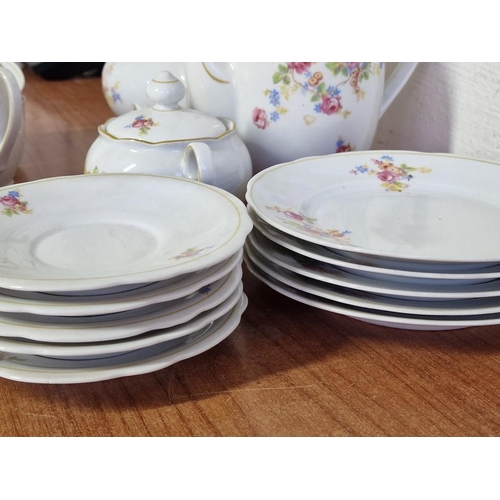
{"points": [[197, 163], [395, 82], [9, 89]]}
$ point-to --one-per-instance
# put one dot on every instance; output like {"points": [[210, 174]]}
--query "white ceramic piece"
{"points": [[168, 139], [11, 120], [333, 275], [286, 111], [124, 83], [41, 303], [87, 232], [354, 263], [113, 347], [121, 325], [386, 319], [415, 207], [367, 300], [46, 370]]}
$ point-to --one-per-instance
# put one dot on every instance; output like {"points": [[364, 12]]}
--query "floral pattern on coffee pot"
{"points": [[289, 110]]}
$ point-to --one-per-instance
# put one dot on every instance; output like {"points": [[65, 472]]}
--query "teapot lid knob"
{"points": [[166, 91]]}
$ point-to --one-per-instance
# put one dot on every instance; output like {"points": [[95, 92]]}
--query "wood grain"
{"points": [[287, 370]]}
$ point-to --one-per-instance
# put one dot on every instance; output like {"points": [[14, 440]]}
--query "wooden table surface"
{"points": [[287, 370]]}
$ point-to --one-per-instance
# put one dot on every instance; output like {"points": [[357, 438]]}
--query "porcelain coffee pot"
{"points": [[286, 111], [168, 139], [11, 117]]}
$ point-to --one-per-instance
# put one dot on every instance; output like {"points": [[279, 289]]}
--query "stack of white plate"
{"points": [[403, 239], [113, 275]]}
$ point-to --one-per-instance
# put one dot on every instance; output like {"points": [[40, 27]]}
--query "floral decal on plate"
{"points": [[308, 225], [13, 205], [111, 89], [143, 124], [191, 252], [391, 175], [308, 79]]}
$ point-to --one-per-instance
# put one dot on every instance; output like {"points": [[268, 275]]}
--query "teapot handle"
{"points": [[10, 87], [216, 72], [395, 82], [197, 163]]}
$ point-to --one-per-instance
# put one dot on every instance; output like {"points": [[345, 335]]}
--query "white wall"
{"points": [[446, 107]]}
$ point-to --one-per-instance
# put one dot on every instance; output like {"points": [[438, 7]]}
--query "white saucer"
{"points": [[44, 370], [119, 346], [336, 276], [44, 303], [121, 325], [349, 296], [405, 205], [373, 267], [394, 320], [86, 232]]}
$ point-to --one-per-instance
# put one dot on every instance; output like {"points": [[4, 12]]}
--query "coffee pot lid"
{"points": [[165, 121]]}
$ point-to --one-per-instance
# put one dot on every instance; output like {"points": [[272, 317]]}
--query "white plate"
{"points": [[119, 346], [86, 232], [375, 270], [466, 307], [121, 325], [394, 320], [44, 303], [406, 205], [43, 370], [327, 273]]}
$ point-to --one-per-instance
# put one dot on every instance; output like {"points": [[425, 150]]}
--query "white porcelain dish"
{"points": [[86, 232], [119, 346], [100, 328], [387, 319], [43, 303], [375, 301], [393, 204], [45, 370], [326, 273], [354, 263]]}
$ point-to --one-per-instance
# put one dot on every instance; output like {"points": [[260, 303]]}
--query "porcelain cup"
{"points": [[284, 111]]}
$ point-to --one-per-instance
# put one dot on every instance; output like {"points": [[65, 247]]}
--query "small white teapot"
{"points": [[168, 139], [11, 119]]}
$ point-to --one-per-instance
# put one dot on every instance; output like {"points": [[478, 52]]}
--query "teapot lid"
{"points": [[165, 121]]}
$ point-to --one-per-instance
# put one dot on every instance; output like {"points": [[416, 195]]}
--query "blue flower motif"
{"points": [[116, 96], [317, 108], [274, 116], [14, 194], [387, 157], [274, 97], [362, 169]]}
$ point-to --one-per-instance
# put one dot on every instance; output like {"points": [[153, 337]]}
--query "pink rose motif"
{"points": [[299, 67], [387, 176], [9, 201], [330, 104], [259, 117], [293, 215]]}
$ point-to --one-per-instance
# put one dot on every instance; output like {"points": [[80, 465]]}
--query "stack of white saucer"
{"points": [[105, 276], [402, 239]]}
